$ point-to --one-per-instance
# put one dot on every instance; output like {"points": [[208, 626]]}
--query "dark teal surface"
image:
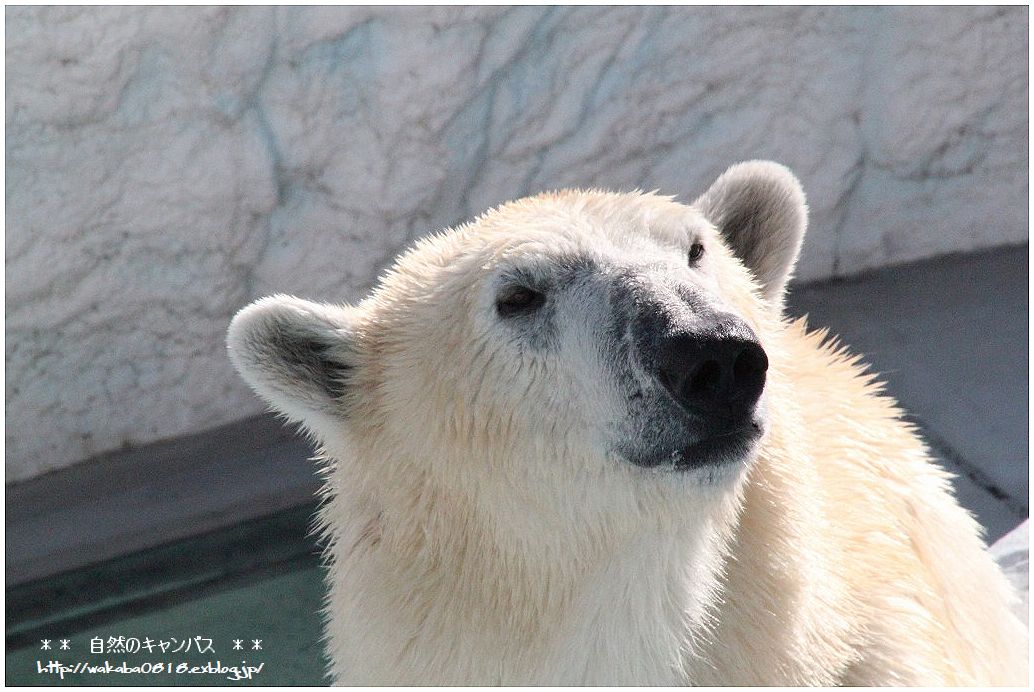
{"points": [[281, 611], [260, 580]]}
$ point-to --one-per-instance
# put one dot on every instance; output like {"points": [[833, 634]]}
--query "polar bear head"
{"points": [[579, 352]]}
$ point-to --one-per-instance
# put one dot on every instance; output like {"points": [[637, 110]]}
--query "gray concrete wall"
{"points": [[166, 166]]}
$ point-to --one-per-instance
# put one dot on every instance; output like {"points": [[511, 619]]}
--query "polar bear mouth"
{"points": [[734, 446]]}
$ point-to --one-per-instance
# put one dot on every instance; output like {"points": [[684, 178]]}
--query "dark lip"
{"points": [[722, 449], [718, 450]]}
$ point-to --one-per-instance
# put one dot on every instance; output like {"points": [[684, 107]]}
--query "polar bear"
{"points": [[576, 441]]}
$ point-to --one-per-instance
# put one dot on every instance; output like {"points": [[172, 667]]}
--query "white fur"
{"points": [[482, 531]]}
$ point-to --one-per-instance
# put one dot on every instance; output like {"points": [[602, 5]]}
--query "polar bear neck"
{"points": [[441, 597]]}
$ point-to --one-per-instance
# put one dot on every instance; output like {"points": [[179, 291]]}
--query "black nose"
{"points": [[717, 371]]}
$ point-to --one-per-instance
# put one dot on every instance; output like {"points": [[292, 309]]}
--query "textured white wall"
{"points": [[166, 166]]}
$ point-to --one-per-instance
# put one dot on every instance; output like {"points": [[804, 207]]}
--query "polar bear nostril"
{"points": [[749, 372], [751, 362], [706, 381]]}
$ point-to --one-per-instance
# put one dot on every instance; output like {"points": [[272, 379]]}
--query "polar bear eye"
{"points": [[696, 251], [519, 300]]}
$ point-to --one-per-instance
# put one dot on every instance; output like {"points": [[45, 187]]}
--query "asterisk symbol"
{"points": [[238, 644], [256, 644], [64, 645], [45, 644]]}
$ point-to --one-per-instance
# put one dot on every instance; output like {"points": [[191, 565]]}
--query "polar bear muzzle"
{"points": [[698, 394]]}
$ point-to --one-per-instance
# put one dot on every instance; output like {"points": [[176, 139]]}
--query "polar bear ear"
{"points": [[297, 355], [760, 210]]}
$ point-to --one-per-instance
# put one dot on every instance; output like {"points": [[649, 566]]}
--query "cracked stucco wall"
{"points": [[166, 166]]}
